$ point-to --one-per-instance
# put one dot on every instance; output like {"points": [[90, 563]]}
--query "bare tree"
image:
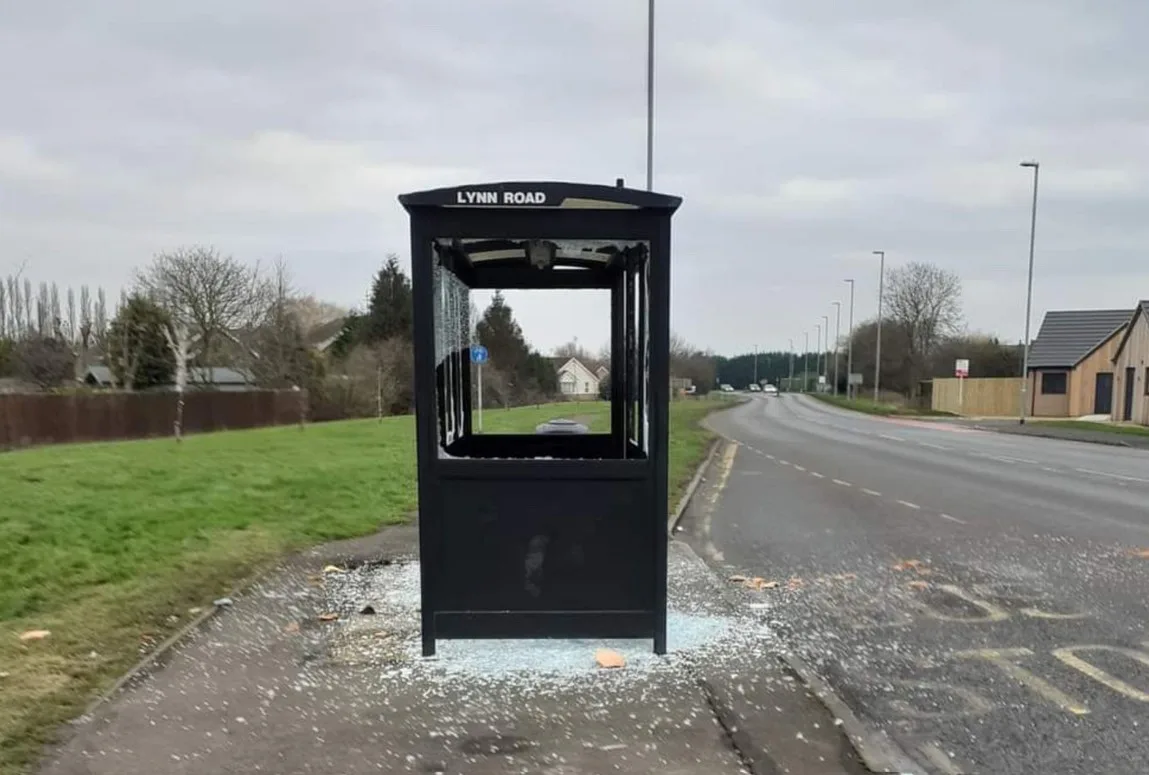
{"points": [[29, 307], [924, 301], [57, 319], [100, 318], [214, 295], [178, 335], [4, 329], [312, 312], [43, 312], [72, 331], [44, 361], [15, 309]]}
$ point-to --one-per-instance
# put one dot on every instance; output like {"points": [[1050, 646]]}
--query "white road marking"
{"points": [[784, 462], [909, 505], [875, 493], [1113, 476], [933, 446], [798, 467], [953, 519], [771, 457], [816, 475], [844, 484], [888, 436]]}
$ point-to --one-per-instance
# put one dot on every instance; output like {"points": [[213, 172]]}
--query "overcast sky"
{"points": [[802, 136]]}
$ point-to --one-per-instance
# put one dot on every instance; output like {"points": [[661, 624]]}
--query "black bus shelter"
{"points": [[542, 535]]}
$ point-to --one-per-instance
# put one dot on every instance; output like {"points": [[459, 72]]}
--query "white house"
{"points": [[577, 380]]}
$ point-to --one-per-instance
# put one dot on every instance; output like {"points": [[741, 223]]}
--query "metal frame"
{"points": [[573, 545]]}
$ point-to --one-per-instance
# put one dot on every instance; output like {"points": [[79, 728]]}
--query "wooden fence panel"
{"points": [[28, 419], [980, 397]]}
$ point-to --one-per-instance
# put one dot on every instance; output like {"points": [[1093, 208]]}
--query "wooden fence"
{"points": [[980, 397], [34, 419]]}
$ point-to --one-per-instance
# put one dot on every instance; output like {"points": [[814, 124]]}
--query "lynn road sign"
{"points": [[478, 354], [961, 368]]}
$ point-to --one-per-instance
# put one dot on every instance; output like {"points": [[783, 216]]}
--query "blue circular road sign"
{"points": [[478, 354]]}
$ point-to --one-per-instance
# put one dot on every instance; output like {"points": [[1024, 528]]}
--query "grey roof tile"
{"points": [[1067, 336]]}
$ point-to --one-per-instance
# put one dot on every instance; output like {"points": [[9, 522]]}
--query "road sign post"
{"points": [[961, 370], [479, 356]]}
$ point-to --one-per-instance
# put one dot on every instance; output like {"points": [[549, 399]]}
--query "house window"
{"points": [[1147, 380], [1053, 383]]}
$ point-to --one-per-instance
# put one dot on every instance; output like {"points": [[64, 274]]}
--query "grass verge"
{"points": [[1078, 425], [868, 406], [111, 547]]}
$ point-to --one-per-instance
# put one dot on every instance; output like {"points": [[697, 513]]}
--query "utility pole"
{"points": [[850, 344], [1028, 293], [650, 95], [755, 364], [790, 379], [818, 344], [805, 363], [826, 347], [837, 340], [878, 349]]}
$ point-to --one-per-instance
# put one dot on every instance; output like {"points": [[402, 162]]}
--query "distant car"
{"points": [[753, 388], [726, 388], [770, 390]]}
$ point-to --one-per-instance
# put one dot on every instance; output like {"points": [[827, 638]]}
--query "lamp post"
{"points": [[850, 343], [818, 344], [837, 340], [1028, 292], [790, 379], [755, 364], [826, 347], [806, 363], [650, 95], [878, 349]]}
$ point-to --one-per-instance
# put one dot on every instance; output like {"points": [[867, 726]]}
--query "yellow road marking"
{"points": [[975, 704], [1069, 656], [1001, 658], [992, 612]]}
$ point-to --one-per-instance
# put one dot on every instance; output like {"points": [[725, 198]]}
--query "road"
{"points": [[982, 598]]}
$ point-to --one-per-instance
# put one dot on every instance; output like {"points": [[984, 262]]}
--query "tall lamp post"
{"points": [[790, 379], [850, 343], [837, 341], [826, 347], [818, 344], [755, 364], [650, 95], [1028, 292], [878, 349], [806, 363]]}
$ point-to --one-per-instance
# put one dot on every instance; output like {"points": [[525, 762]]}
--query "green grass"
{"points": [[109, 545], [868, 406], [1127, 430]]}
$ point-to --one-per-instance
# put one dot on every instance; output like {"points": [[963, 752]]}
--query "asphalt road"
{"points": [[978, 596]]}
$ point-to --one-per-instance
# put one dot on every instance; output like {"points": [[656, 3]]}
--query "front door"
{"points": [[1130, 377], [1103, 394]]}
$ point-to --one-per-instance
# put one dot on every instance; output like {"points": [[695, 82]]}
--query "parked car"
{"points": [[770, 390], [726, 388], [754, 388]]}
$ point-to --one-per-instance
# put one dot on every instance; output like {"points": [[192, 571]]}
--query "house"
{"points": [[99, 376], [1071, 362], [577, 380], [199, 377], [322, 336], [1131, 370]]}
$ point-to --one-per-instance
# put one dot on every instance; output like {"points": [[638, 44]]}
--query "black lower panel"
{"points": [[536, 546], [544, 624]]}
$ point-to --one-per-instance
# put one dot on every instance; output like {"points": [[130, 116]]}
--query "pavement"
{"points": [[1040, 429], [977, 597], [276, 683]]}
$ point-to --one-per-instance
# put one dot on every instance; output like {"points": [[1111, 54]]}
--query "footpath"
{"points": [[1044, 430], [316, 669]]}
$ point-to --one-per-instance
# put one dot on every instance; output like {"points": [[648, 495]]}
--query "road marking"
{"points": [[798, 467], [953, 519], [784, 462], [1047, 468], [875, 493], [817, 475], [841, 483], [992, 612], [1001, 658], [976, 705], [771, 457], [1114, 476], [909, 505], [1068, 656], [888, 436], [933, 446]]}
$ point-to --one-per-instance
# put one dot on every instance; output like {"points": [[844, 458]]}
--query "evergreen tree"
{"points": [[503, 338], [390, 310], [138, 353]]}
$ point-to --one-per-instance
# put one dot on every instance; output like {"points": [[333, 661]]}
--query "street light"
{"points": [[818, 344], [826, 348], [806, 363], [1028, 292], [650, 96], [755, 364], [850, 343], [790, 380], [837, 340], [878, 351]]}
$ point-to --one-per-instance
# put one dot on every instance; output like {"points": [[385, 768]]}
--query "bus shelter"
{"points": [[542, 535]]}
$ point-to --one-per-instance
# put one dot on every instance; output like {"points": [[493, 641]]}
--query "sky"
{"points": [[801, 136]]}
